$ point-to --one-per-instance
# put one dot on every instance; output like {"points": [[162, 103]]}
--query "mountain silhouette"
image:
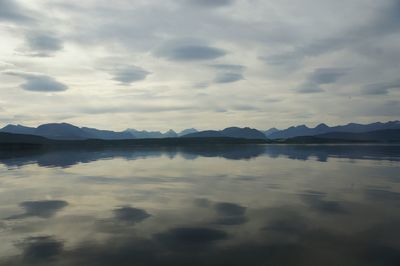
{"points": [[187, 131], [386, 135], [302, 130], [205, 134], [65, 131], [232, 132], [15, 142], [377, 136], [108, 134], [170, 134], [270, 131], [62, 131], [18, 129], [144, 134]]}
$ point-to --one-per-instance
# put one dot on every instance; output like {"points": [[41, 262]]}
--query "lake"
{"points": [[220, 205]]}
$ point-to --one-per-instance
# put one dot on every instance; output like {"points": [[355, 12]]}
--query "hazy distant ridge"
{"points": [[302, 130]]}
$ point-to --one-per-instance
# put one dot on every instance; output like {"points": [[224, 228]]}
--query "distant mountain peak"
{"points": [[270, 131], [17, 125], [18, 129], [301, 126], [322, 125], [187, 131]]}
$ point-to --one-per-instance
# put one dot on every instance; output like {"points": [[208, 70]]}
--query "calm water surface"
{"points": [[237, 205]]}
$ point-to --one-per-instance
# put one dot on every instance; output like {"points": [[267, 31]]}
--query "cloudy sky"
{"points": [[160, 64]]}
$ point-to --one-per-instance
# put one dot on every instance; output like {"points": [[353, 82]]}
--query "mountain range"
{"points": [[232, 132], [65, 131], [303, 130], [143, 134]]}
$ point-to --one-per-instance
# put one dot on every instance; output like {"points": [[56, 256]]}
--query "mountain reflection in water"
{"points": [[225, 205], [66, 158]]}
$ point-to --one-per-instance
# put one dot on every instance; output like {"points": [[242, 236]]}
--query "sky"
{"points": [[208, 64]]}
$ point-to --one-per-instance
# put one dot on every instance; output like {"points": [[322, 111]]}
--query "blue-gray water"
{"points": [[226, 205]]}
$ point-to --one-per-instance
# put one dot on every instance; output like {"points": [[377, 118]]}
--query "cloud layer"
{"points": [[242, 63]]}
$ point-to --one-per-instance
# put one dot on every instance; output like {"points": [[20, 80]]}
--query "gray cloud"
{"points": [[128, 74], [228, 77], [229, 67], [326, 75], [201, 85], [278, 59], [190, 53], [294, 58], [43, 83], [309, 88], [228, 73], [244, 107], [11, 11], [39, 83], [43, 44], [390, 108], [380, 88], [385, 22], [319, 77], [220, 110], [210, 3]]}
